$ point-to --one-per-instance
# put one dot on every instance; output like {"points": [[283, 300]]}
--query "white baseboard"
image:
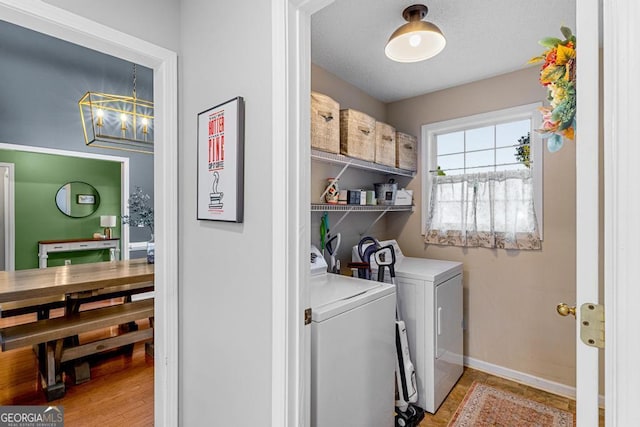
{"points": [[137, 246], [143, 296], [527, 379]]}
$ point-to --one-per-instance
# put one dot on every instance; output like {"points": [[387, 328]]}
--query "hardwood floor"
{"points": [[120, 392]]}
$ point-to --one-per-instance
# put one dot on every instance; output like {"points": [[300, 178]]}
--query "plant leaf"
{"points": [[536, 59], [566, 32], [552, 73], [550, 41]]}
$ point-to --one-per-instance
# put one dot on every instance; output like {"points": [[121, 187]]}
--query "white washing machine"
{"points": [[352, 349], [430, 299]]}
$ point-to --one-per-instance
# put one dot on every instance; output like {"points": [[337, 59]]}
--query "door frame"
{"points": [[9, 219], [56, 22], [621, 171], [291, 82], [621, 248]]}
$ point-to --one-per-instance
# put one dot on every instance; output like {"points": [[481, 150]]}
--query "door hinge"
{"points": [[307, 316], [592, 324]]}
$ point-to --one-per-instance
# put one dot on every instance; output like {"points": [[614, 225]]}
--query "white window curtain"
{"points": [[490, 210]]}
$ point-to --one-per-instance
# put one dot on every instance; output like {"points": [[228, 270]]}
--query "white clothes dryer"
{"points": [[352, 349], [430, 299]]}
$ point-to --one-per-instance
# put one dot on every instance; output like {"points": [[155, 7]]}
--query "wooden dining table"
{"points": [[92, 278], [36, 290]]}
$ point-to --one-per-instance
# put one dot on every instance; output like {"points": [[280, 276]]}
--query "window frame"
{"points": [[429, 150]]}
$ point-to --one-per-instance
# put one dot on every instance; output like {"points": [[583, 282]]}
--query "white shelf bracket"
{"points": [[344, 215], [374, 222]]}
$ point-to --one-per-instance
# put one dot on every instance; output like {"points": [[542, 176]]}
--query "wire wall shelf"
{"points": [[359, 164], [347, 209], [326, 207]]}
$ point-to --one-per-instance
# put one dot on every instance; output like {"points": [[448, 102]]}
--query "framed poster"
{"points": [[86, 199], [221, 162]]}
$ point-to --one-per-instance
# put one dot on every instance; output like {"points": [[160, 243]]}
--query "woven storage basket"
{"points": [[385, 144], [357, 135], [325, 125], [406, 151]]}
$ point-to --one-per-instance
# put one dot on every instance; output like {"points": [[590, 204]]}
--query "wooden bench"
{"points": [[50, 335], [42, 306]]}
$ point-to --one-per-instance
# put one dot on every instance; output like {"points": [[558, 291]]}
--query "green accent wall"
{"points": [[37, 180]]}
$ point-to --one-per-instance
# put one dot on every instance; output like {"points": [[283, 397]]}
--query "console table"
{"points": [[72, 245]]}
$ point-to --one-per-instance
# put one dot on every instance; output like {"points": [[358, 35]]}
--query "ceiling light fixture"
{"points": [[416, 40], [117, 121]]}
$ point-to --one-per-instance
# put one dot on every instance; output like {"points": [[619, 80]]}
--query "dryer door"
{"points": [[448, 338], [448, 312]]}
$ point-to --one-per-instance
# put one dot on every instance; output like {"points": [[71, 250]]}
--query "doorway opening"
{"points": [[50, 20]]}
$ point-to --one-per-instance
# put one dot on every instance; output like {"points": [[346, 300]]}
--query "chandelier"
{"points": [[117, 121]]}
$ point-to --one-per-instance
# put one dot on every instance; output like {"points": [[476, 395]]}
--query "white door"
{"points": [[587, 203]]}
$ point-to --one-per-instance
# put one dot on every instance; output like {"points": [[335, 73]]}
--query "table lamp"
{"points": [[107, 221]]}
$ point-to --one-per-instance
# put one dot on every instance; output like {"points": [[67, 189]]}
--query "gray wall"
{"points": [[225, 292], [42, 80]]}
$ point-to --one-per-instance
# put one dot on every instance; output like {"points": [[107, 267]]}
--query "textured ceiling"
{"points": [[484, 39]]}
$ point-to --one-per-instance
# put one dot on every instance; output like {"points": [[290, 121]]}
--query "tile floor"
{"points": [[449, 406]]}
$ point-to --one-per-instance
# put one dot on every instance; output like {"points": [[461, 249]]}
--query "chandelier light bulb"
{"points": [[100, 114], [123, 126], [145, 126]]}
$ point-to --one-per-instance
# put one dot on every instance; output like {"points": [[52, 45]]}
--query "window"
{"points": [[483, 180]]}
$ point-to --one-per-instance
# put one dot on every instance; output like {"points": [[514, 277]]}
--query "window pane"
{"points": [[508, 133], [480, 138], [451, 161], [450, 143], [479, 158], [508, 155]]}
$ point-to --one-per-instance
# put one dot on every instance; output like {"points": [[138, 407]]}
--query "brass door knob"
{"points": [[564, 310]]}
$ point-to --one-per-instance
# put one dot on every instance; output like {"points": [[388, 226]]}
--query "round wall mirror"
{"points": [[77, 199]]}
